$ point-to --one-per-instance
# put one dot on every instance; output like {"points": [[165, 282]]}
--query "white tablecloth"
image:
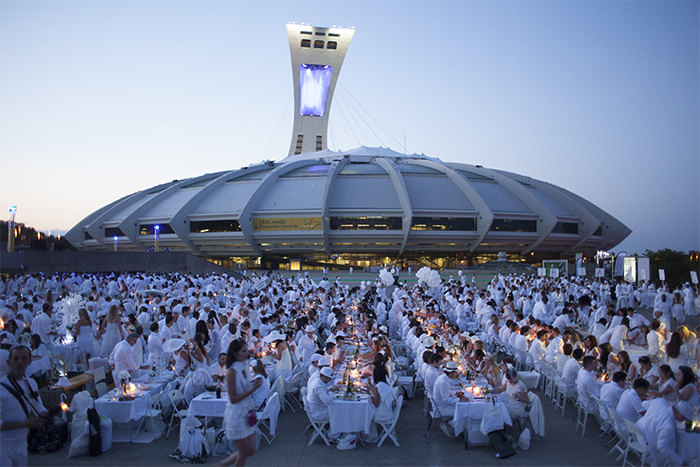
{"points": [[123, 411], [474, 410], [350, 416], [688, 446], [529, 378], [207, 405]]}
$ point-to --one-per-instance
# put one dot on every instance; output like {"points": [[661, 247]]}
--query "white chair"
{"points": [[317, 425], [278, 387], [636, 442], [605, 424], [153, 413], [101, 389], [176, 398], [291, 389], [389, 426], [621, 432], [268, 417]]}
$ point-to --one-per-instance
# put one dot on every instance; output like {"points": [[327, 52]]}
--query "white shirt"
{"points": [[569, 374], [11, 411], [659, 427], [123, 357], [630, 406], [587, 387], [319, 398], [444, 400]]}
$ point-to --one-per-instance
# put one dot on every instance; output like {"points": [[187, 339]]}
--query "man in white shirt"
{"points": [[218, 368], [41, 325], [16, 422], [444, 400], [659, 427], [611, 392], [571, 369], [585, 382], [630, 406], [123, 356], [432, 371], [318, 397], [656, 350]]}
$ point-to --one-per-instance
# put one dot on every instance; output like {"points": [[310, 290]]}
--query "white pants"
{"points": [[14, 454]]}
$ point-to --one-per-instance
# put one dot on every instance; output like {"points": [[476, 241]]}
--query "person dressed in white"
{"points": [[240, 389], [123, 356], [659, 428], [630, 406], [570, 372], [306, 346], [445, 401], [16, 421], [585, 382], [611, 392], [218, 368], [318, 397]]}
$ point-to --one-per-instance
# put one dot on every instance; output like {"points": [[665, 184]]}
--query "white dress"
{"points": [[284, 366], [86, 343], [111, 338], [236, 417], [516, 408]]}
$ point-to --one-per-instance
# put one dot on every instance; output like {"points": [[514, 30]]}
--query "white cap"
{"points": [[327, 372]]}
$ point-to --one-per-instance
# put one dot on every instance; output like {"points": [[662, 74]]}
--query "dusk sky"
{"points": [[100, 99]]}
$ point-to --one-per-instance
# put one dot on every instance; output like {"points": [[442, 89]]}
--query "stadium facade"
{"points": [[355, 208]]}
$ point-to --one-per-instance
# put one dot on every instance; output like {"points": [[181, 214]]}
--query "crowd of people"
{"points": [[216, 326]]}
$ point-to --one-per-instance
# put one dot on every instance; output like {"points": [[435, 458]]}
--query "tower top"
{"points": [[317, 56]]}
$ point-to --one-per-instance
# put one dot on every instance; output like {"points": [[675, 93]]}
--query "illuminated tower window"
{"points": [[313, 90]]}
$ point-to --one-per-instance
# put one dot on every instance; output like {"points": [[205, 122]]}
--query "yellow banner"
{"points": [[287, 223]]}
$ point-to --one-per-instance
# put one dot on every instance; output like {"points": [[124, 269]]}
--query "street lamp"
{"points": [[115, 242], [11, 230], [157, 231]]}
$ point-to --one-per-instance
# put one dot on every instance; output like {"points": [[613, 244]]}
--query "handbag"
{"points": [[252, 417]]}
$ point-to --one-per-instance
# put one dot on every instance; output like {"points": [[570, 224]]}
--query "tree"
{"points": [[676, 264]]}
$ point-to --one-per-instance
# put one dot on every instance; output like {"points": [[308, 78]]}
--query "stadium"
{"points": [[317, 207]]}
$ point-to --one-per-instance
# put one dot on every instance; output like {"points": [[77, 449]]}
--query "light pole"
{"points": [[11, 230], [157, 230], [115, 242]]}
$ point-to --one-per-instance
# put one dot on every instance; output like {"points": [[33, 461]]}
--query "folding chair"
{"points": [[291, 387], [317, 425], [278, 387], [389, 426], [176, 398], [153, 412], [265, 418], [621, 432], [636, 442]]}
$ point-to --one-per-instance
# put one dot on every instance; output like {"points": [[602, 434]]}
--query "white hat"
{"points": [[450, 367], [274, 336], [316, 357], [326, 371], [323, 361], [309, 328], [383, 329], [429, 342], [171, 345], [685, 409]]}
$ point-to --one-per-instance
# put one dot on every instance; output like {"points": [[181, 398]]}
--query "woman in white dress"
{"points": [[240, 402], [281, 353], [381, 395], [112, 330], [678, 308], [83, 332], [619, 335], [516, 392], [677, 352]]}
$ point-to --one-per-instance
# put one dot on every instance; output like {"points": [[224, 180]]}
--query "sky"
{"points": [[100, 99]]}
